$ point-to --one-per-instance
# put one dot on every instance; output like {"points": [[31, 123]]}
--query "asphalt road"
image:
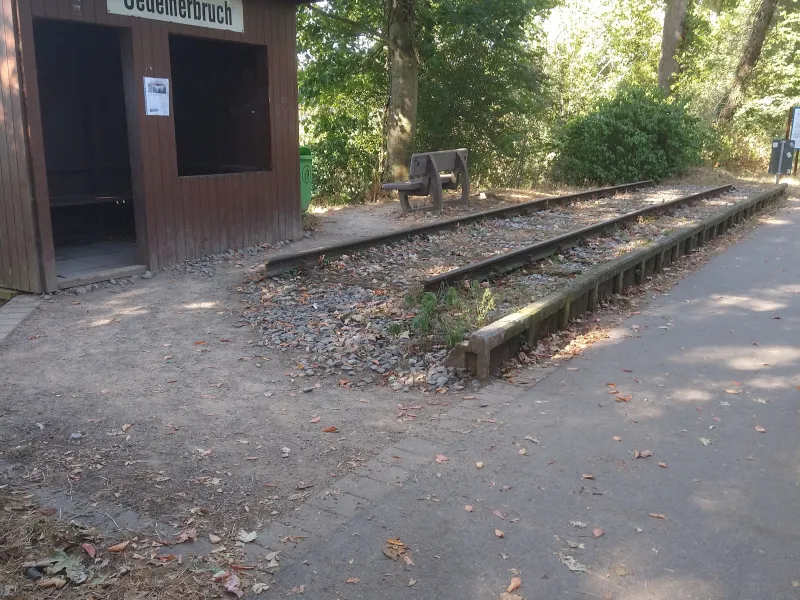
{"points": [[713, 370]]}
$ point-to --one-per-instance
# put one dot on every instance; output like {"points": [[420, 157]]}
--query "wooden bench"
{"points": [[432, 172]]}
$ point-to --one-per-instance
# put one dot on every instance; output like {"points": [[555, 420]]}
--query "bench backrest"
{"points": [[445, 160]]}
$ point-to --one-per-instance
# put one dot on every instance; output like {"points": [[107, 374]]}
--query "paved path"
{"points": [[706, 365]]}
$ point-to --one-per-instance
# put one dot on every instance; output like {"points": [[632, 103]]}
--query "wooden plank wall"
{"points": [[20, 265], [188, 217]]}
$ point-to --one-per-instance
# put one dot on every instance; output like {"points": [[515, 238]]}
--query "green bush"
{"points": [[639, 134]]}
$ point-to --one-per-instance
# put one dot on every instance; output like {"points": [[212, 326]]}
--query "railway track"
{"points": [[509, 261], [360, 315], [282, 263]]}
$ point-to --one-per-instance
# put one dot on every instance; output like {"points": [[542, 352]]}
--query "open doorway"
{"points": [[84, 124]]}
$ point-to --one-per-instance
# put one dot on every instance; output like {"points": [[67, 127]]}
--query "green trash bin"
{"points": [[306, 178]]}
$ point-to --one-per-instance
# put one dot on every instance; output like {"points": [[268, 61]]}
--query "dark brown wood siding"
{"points": [[20, 263], [180, 218]]}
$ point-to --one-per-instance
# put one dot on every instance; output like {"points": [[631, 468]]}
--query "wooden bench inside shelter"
{"points": [[432, 172]]}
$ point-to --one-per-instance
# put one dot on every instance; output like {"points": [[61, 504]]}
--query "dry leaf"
{"points": [[89, 549], [127, 426], [499, 515], [506, 596], [597, 532], [499, 533], [441, 458], [733, 392], [622, 571], [624, 398], [298, 589], [330, 429], [642, 454], [259, 587], [232, 584], [408, 561], [616, 438], [760, 429], [315, 420], [186, 535], [587, 476], [352, 580], [515, 584], [119, 547], [658, 516], [705, 441], [469, 508], [52, 582], [662, 465], [214, 539]]}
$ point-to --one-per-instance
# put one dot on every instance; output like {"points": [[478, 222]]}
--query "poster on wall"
{"points": [[156, 96], [212, 14], [794, 133]]}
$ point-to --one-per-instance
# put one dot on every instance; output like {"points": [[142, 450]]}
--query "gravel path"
{"points": [[361, 318]]}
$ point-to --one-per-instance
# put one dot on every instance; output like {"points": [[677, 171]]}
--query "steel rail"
{"points": [[513, 260], [281, 263]]}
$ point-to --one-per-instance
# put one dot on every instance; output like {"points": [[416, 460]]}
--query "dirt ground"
{"points": [[150, 397]]}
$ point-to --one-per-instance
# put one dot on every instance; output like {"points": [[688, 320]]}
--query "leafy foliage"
{"points": [[638, 134]]}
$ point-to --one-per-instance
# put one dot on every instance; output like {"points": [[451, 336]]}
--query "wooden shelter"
{"points": [[140, 133]]}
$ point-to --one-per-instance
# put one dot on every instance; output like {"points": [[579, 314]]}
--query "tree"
{"points": [[750, 56], [674, 22], [401, 119]]}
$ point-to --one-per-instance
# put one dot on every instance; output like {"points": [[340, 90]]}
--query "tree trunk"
{"points": [[674, 22], [403, 88], [752, 52]]}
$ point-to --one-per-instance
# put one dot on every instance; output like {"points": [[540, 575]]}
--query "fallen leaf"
{"points": [[705, 441], [315, 420], [441, 458], [52, 582], [469, 508], [642, 454], [572, 564], [352, 580], [200, 343], [760, 429], [479, 465], [622, 571], [89, 549], [232, 584], [624, 398], [499, 515], [506, 596], [795, 583], [578, 524], [616, 438], [408, 561], [515, 584], [733, 391], [412, 582], [587, 476], [186, 535], [597, 532], [628, 370], [330, 429], [259, 587], [298, 589], [127, 426], [245, 537], [658, 516], [394, 542], [662, 465], [119, 547], [499, 533], [214, 539]]}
